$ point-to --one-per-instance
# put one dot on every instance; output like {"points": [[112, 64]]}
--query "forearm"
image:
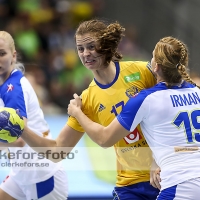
{"points": [[44, 145], [103, 136], [34, 140], [2, 147], [39, 144], [94, 130], [18, 143]]}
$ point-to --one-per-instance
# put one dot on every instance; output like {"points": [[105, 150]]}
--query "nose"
{"points": [[86, 52]]}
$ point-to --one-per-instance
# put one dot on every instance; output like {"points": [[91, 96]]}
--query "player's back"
{"points": [[171, 127]]}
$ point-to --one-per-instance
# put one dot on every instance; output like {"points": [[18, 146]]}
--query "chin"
{"points": [[91, 67]]}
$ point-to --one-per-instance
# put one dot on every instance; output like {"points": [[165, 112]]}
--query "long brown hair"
{"points": [[172, 55]]}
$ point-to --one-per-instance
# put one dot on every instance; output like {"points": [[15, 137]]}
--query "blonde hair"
{"points": [[172, 55], [9, 39]]}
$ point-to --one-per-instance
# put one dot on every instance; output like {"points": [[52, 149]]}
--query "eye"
{"points": [[92, 47], [80, 49], [2, 54]]}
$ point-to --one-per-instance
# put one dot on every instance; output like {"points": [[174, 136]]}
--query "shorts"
{"points": [[187, 190], [54, 188], [138, 191]]}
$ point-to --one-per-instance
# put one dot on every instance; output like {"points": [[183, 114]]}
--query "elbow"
{"points": [[105, 144], [104, 139], [56, 160]]}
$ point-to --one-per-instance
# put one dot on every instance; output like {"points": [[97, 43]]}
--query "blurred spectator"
{"points": [[44, 35], [43, 96], [7, 12]]}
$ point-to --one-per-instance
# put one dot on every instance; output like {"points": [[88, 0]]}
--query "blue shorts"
{"points": [[138, 191], [188, 190]]}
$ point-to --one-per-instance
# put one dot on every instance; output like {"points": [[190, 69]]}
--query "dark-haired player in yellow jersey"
{"points": [[114, 82]]}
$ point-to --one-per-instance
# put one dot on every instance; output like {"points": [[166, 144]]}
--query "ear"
{"points": [[156, 68], [14, 60]]}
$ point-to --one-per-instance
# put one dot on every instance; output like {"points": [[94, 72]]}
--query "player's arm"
{"points": [[65, 141], [103, 136], [18, 143]]}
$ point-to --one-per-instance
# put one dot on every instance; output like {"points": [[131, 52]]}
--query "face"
{"points": [[6, 59], [86, 51]]}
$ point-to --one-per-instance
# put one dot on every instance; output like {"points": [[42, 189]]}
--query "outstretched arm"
{"points": [[65, 141], [18, 143], [103, 136]]}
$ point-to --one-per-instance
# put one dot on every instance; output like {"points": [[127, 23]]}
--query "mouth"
{"points": [[89, 61]]}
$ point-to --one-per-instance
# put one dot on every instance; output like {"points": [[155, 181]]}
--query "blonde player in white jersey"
{"points": [[31, 176], [169, 116]]}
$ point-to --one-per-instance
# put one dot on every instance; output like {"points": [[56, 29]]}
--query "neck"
{"points": [[1, 81], [5, 76], [159, 79], [174, 84], [106, 75]]}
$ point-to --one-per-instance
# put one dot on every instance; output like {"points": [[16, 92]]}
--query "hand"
{"points": [[75, 106], [155, 175]]}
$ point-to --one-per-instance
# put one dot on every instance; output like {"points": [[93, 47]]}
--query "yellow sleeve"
{"points": [[72, 122], [147, 78]]}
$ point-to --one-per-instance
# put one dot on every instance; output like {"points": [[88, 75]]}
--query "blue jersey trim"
{"points": [[162, 86], [115, 79]]}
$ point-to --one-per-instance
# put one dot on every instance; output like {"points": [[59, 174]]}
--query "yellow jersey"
{"points": [[102, 103]]}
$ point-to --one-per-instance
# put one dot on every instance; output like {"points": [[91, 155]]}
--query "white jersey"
{"points": [[170, 121], [27, 166]]}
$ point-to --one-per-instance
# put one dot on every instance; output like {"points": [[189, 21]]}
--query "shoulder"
{"points": [[13, 82], [140, 99], [134, 64], [142, 67], [18, 78], [90, 89], [16, 74], [138, 73], [158, 87]]}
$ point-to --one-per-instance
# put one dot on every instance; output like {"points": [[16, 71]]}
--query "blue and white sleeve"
{"points": [[133, 112], [15, 98]]}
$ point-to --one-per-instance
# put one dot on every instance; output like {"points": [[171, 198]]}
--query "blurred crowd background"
{"points": [[44, 36]]}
